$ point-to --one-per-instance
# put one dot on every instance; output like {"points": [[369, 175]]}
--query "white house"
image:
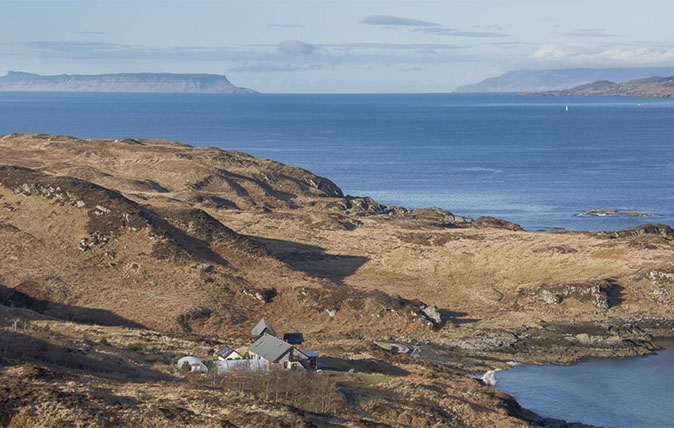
{"points": [[227, 354]]}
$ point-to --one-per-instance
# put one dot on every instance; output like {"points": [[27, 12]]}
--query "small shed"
{"points": [[262, 328], [195, 364], [294, 338], [308, 359], [229, 354], [272, 349]]}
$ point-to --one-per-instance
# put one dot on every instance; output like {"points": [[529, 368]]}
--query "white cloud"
{"points": [[577, 54], [295, 47], [446, 31], [281, 53], [275, 68], [395, 21], [589, 32]]}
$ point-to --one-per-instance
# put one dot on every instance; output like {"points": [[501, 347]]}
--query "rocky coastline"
{"points": [[120, 255], [551, 344]]}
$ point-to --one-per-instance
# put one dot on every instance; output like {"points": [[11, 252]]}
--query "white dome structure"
{"points": [[195, 364]]}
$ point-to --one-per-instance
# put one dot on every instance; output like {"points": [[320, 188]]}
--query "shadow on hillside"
{"points": [[456, 317], [366, 365], [312, 259], [15, 298], [188, 243], [52, 349], [268, 190], [615, 293]]}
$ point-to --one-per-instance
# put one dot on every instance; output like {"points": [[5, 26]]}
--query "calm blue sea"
{"points": [[523, 159], [630, 393]]}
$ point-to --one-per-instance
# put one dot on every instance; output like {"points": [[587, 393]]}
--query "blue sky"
{"points": [[334, 46]]}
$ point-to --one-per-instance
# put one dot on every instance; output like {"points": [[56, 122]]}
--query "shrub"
{"points": [[137, 347], [306, 390]]}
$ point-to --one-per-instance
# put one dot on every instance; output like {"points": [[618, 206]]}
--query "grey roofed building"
{"points": [[270, 348], [263, 327]]}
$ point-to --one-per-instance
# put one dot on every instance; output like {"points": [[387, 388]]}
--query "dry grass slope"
{"points": [[117, 256]]}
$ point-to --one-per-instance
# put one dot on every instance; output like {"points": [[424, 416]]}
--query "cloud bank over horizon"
{"points": [[346, 46], [598, 55]]}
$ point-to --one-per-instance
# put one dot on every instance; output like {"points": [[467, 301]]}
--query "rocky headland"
{"points": [[121, 82], [119, 255]]}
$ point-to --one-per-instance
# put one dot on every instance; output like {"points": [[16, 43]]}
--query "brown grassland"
{"points": [[118, 256]]}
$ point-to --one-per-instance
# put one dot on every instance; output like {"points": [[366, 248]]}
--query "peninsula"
{"points": [[652, 87], [560, 79], [133, 270], [121, 82]]}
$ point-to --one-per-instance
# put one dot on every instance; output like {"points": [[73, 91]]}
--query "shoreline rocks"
{"points": [[614, 212], [496, 223], [663, 230]]}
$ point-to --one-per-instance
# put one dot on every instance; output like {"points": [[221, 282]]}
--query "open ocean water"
{"points": [[524, 159]]}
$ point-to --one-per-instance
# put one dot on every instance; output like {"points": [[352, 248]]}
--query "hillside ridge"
{"points": [[650, 87], [559, 79]]}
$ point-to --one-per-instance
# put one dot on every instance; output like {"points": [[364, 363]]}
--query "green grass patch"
{"points": [[354, 381], [338, 364]]}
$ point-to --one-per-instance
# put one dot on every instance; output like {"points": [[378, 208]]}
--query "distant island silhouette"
{"points": [[121, 82]]}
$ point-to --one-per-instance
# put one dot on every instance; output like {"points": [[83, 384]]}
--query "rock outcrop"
{"points": [[660, 276], [496, 223], [661, 283], [612, 212], [596, 292], [662, 230]]}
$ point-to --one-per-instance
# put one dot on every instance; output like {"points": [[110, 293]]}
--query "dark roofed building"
{"points": [[308, 359], [294, 338], [263, 327]]}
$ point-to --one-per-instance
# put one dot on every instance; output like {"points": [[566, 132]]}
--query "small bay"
{"points": [[621, 393]]}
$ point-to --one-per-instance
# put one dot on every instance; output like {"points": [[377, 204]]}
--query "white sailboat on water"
{"points": [[566, 108]]}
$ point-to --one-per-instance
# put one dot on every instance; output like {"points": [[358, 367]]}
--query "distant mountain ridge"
{"points": [[560, 79], [121, 82], [651, 87]]}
